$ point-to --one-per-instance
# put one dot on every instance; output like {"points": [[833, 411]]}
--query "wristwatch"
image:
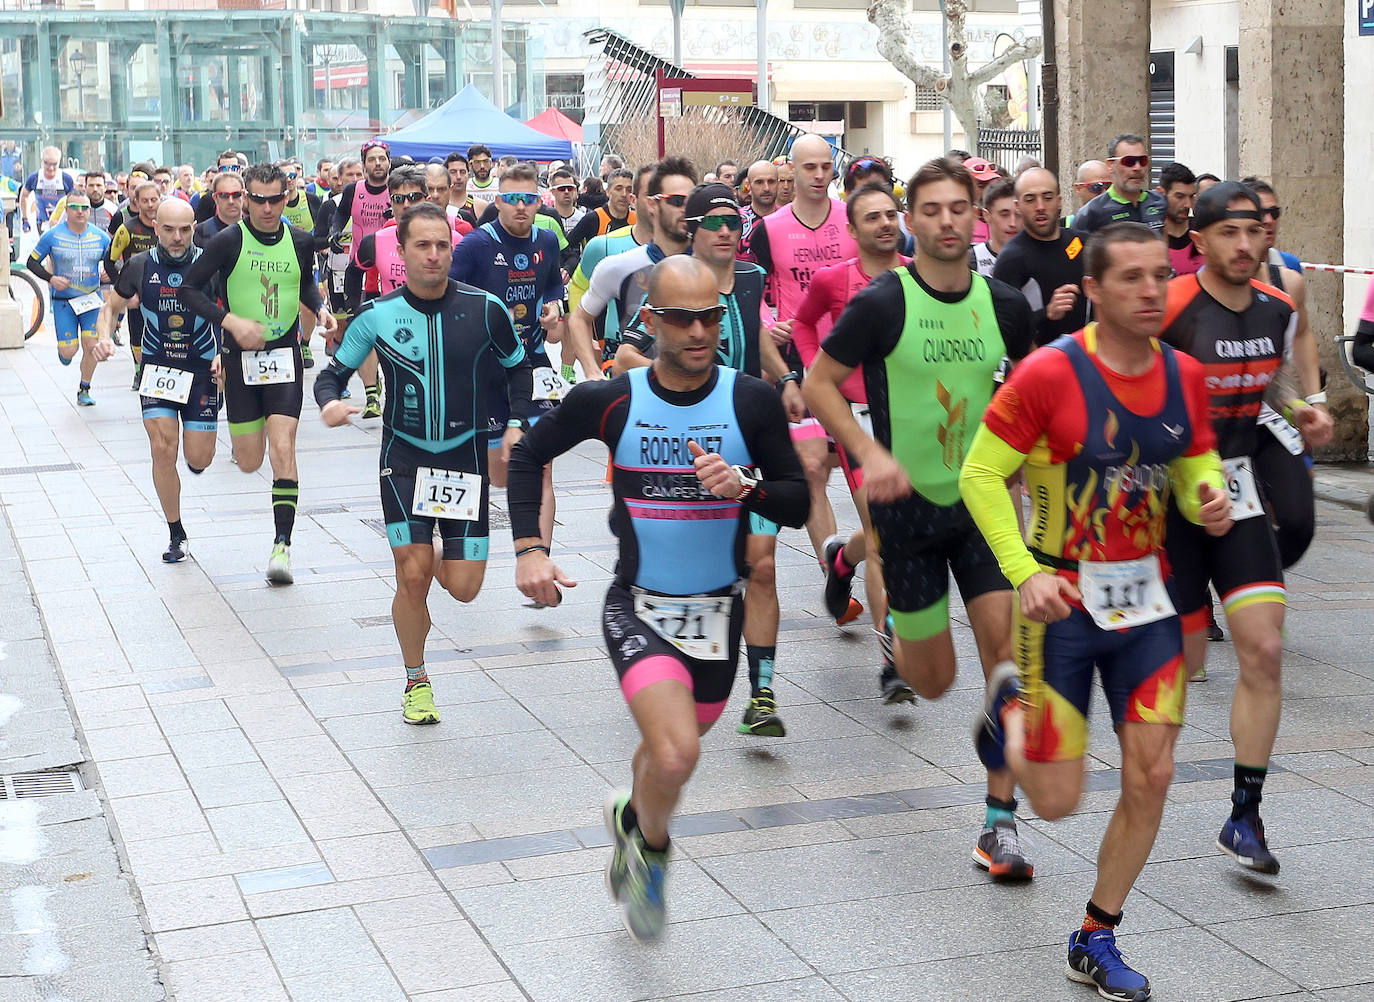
{"points": [[748, 480]]}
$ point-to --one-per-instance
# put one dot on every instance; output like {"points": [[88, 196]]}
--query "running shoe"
{"points": [[837, 586], [279, 564], [988, 736], [1199, 676], [307, 359], [1095, 960], [1244, 842], [1214, 633], [418, 707], [177, 551], [634, 875], [138, 378], [117, 336], [893, 687], [84, 398], [761, 717], [999, 852], [853, 612], [373, 409]]}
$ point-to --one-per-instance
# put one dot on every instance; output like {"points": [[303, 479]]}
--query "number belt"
{"points": [[736, 589], [1049, 560]]}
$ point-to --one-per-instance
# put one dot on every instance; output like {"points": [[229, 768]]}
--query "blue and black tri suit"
{"points": [[524, 274], [676, 538], [173, 336], [433, 354]]}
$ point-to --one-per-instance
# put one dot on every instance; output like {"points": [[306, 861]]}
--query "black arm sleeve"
{"points": [[331, 381], [354, 272], [489, 215], [1014, 319], [342, 213], [593, 409], [36, 268], [1012, 268], [577, 239], [205, 208], [218, 258], [323, 220], [760, 251], [519, 377], [1361, 352], [782, 495], [316, 205], [305, 257], [870, 325]]}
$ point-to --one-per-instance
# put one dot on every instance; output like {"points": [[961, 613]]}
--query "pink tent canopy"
{"points": [[553, 122]]}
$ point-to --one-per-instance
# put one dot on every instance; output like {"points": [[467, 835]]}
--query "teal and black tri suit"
{"points": [[434, 355]]}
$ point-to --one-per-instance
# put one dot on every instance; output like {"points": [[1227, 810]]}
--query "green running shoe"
{"points": [[279, 565], [761, 717], [373, 408], [307, 358], [419, 707], [635, 875], [84, 398]]}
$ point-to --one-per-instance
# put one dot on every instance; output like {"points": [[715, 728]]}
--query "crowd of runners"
{"points": [[1088, 411]]}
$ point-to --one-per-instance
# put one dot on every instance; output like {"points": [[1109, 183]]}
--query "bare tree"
{"points": [[960, 88]]}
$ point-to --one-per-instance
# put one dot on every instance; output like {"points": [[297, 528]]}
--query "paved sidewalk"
{"points": [[289, 837]]}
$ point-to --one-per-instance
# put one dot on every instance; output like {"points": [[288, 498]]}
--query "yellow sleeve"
{"points": [[55, 216], [120, 243], [983, 485], [577, 287], [1186, 473]]}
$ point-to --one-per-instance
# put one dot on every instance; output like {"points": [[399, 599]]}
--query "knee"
{"points": [[674, 759], [815, 468], [1260, 653], [464, 591], [198, 470], [1055, 805], [67, 351], [763, 572], [165, 453], [1148, 782]]}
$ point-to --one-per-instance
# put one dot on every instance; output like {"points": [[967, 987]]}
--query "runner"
{"points": [[43, 188], [348, 169], [1241, 331], [673, 616], [434, 454], [1044, 260], [762, 182], [873, 211], [930, 336], [563, 187], [134, 235], [74, 249], [460, 202], [1179, 188], [226, 191], [1105, 423], [181, 361], [616, 214], [1093, 178], [380, 264], [264, 267], [1127, 199], [480, 165], [786, 180], [998, 209]]}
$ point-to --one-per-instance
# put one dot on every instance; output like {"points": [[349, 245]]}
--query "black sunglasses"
{"points": [[1273, 212], [402, 197], [728, 220], [679, 316], [676, 201], [259, 199], [1098, 187]]}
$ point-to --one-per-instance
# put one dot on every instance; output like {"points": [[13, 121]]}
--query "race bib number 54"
{"points": [[263, 368], [698, 627]]}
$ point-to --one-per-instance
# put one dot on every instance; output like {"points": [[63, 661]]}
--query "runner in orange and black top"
{"points": [[135, 234], [1107, 422], [616, 214], [1242, 332]]}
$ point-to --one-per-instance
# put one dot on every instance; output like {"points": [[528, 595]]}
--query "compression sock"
{"points": [[760, 667], [84, 386], [414, 676], [1096, 919], [999, 810], [1245, 799], [284, 493], [175, 530], [374, 394], [842, 565]]}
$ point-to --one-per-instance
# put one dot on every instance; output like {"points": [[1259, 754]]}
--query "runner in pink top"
{"points": [[1362, 354], [364, 202]]}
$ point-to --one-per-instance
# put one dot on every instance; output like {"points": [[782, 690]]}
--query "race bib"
{"points": [[166, 383], [447, 494], [1119, 594], [549, 385], [84, 304], [262, 368], [1285, 433], [698, 627], [1240, 483]]}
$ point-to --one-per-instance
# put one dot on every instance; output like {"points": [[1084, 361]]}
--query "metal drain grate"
{"points": [[366, 621], [27, 785], [375, 524], [12, 471], [324, 509]]}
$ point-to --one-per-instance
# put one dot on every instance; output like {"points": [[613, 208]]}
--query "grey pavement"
{"points": [[260, 825]]}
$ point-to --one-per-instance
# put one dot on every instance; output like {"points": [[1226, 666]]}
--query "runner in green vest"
{"points": [[266, 270], [930, 337]]}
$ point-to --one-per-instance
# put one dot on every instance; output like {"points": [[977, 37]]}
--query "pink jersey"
{"points": [[1367, 314], [791, 252], [830, 291], [368, 213], [390, 271]]}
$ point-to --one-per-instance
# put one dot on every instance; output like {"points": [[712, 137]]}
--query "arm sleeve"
{"points": [[1186, 472], [342, 212], [36, 256], [600, 290], [577, 287], [782, 495], [353, 287], [759, 250], [323, 219], [510, 352], [126, 286], [218, 256], [358, 341], [305, 256], [1014, 319], [114, 251], [319, 241], [983, 486], [870, 325], [465, 267]]}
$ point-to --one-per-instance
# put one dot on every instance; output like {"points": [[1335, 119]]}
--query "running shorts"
{"points": [[248, 407], [69, 326], [199, 413], [1243, 565], [462, 540]]}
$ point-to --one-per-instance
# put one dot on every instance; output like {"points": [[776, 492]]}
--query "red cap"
{"points": [[981, 169]]}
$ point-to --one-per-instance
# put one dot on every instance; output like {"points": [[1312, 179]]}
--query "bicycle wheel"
{"points": [[25, 290]]}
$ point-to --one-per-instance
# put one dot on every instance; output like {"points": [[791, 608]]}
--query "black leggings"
{"points": [[1286, 482]]}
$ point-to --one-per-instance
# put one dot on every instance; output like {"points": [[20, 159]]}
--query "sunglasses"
{"points": [[479, 161], [258, 199], [78, 207], [376, 145], [49, 163], [229, 194], [676, 201], [728, 221], [1273, 212], [565, 187], [519, 197], [1097, 187], [864, 164], [291, 175], [678, 316], [233, 167], [404, 197], [1131, 161]]}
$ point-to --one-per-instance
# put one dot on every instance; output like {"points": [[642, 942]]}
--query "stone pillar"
{"points": [[11, 323], [1292, 132], [1103, 53]]}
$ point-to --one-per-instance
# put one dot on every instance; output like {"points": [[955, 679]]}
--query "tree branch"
{"points": [[889, 17], [1021, 50]]}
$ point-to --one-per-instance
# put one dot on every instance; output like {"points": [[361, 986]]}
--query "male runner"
{"points": [[998, 209], [264, 268], [697, 433], [1093, 178], [434, 454], [460, 202], [786, 180], [1128, 198], [325, 179], [102, 208], [302, 205], [930, 337], [1044, 260], [481, 166], [349, 170], [362, 210], [1242, 331], [563, 187], [226, 191], [616, 214], [379, 266], [75, 249], [43, 188], [134, 235], [1179, 188], [180, 360], [762, 179], [873, 211], [1106, 423], [227, 162]]}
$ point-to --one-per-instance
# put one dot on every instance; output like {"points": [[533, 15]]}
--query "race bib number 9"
{"points": [[549, 385], [1119, 594], [84, 304], [698, 627], [262, 368], [1240, 483], [1285, 433], [447, 494], [165, 383]]}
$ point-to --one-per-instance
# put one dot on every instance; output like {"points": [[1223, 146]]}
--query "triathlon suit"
{"points": [[364, 207], [379, 264], [47, 191], [1102, 454], [596, 223], [1240, 353], [929, 359], [674, 610], [302, 213], [75, 257], [982, 259], [265, 278], [173, 338], [523, 274], [1184, 257], [830, 291], [131, 237], [432, 353], [597, 250], [621, 281]]}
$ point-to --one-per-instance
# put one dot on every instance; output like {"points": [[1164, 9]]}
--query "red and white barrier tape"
{"points": [[1340, 269]]}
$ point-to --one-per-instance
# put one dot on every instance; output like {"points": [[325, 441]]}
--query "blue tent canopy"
{"points": [[468, 118]]}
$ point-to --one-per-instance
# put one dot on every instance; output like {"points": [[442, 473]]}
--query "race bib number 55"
{"points": [[698, 627]]}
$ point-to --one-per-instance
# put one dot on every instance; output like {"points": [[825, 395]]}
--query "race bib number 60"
{"points": [[698, 627], [165, 383], [263, 368], [1119, 594], [447, 494]]}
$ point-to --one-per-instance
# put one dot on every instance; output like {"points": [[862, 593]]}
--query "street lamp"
{"points": [[77, 62]]}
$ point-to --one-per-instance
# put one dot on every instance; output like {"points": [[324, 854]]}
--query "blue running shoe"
{"points": [[988, 737], [634, 874], [1095, 960], [1244, 842]]}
